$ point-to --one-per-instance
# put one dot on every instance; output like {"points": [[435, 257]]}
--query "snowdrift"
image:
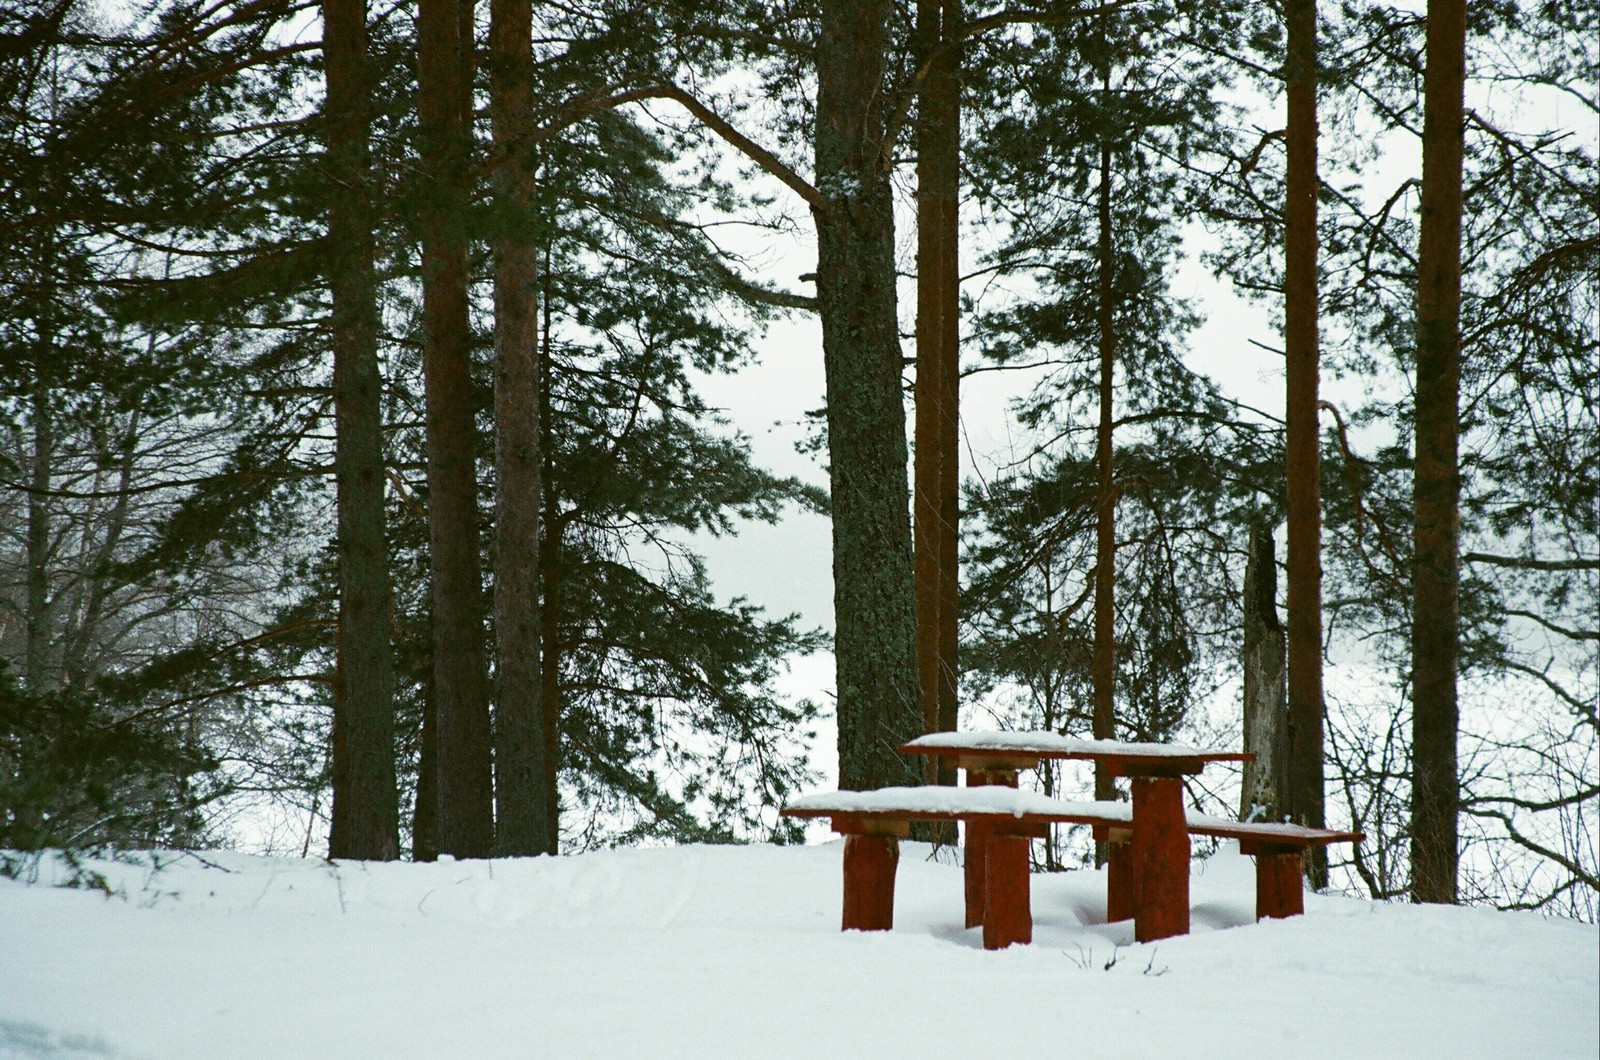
{"points": [[736, 952]]}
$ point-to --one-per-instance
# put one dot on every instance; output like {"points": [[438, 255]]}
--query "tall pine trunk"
{"points": [[937, 472], [366, 811], [523, 826], [1302, 459], [1435, 636], [1104, 663], [465, 817], [875, 639]]}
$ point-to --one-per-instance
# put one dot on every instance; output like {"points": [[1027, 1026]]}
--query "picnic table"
{"points": [[1148, 871], [1148, 868]]}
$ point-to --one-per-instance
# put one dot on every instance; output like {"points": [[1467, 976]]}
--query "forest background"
{"points": [[269, 301]]}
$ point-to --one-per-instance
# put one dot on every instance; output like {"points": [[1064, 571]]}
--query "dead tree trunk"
{"points": [[1266, 723], [40, 627], [1104, 663], [1435, 638], [550, 563]]}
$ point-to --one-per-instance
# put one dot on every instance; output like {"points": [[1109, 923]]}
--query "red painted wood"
{"points": [[1161, 858], [974, 867], [977, 842], [869, 867], [1122, 884], [1008, 908], [1280, 886]]}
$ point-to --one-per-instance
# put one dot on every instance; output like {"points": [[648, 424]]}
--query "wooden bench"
{"points": [[872, 823], [1278, 849]]}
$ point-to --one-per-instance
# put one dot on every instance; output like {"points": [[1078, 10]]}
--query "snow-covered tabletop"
{"points": [[942, 800], [1053, 745]]}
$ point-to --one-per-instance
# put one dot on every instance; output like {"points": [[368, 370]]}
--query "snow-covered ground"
{"points": [[736, 952]]}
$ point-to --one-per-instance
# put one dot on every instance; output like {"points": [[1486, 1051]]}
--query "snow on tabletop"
{"points": [[942, 799], [1049, 743], [1255, 829]]}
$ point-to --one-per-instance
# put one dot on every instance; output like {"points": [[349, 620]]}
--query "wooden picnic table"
{"points": [[1148, 873], [873, 822]]}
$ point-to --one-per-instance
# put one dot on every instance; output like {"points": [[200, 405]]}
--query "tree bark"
{"points": [[465, 784], [875, 639], [1435, 636], [937, 472], [366, 811], [1302, 461], [523, 828], [1266, 727], [1103, 665]]}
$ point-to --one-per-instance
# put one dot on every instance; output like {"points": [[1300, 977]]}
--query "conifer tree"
{"points": [[365, 807], [1302, 464], [464, 791], [1435, 638], [937, 467], [1075, 134]]}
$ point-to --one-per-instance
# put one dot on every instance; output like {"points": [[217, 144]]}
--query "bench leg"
{"points": [[1160, 858], [1280, 884], [869, 867], [1008, 913], [975, 857], [1122, 884], [974, 867]]}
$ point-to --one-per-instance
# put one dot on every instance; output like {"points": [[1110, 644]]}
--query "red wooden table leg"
{"points": [[869, 867], [974, 859], [1161, 858], [1280, 883], [1122, 885], [1008, 912]]}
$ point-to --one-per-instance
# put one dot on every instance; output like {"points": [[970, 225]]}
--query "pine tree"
{"points": [[464, 785], [1435, 638], [937, 468], [1070, 163], [365, 808], [872, 557], [1302, 465]]}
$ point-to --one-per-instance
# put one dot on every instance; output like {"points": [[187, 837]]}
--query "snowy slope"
{"points": [[735, 952]]}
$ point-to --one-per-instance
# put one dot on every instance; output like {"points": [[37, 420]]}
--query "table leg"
{"points": [[1008, 911], [869, 868], [1160, 858], [975, 858], [1122, 883], [1280, 886]]}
